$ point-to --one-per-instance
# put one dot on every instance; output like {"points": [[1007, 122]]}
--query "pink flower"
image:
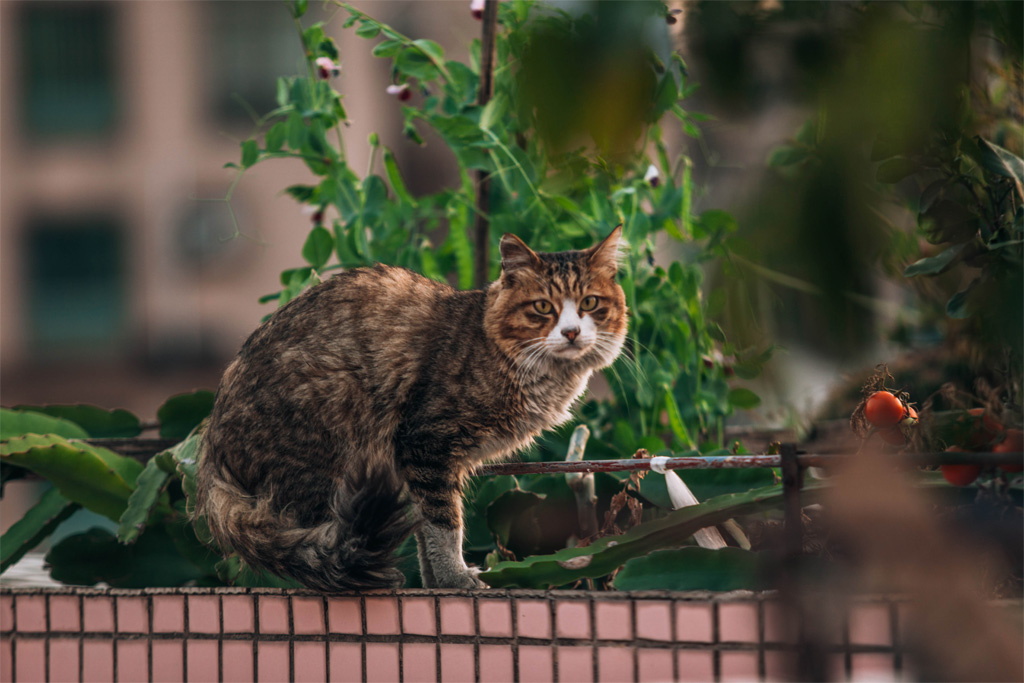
{"points": [[326, 68], [476, 8], [402, 92]]}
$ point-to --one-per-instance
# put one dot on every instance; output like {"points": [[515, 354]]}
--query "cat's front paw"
{"points": [[465, 579]]}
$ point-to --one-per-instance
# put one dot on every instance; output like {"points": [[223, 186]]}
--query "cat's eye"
{"points": [[542, 306], [589, 303]]}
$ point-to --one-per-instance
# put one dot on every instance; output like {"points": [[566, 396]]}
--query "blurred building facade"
{"points": [[125, 278]]}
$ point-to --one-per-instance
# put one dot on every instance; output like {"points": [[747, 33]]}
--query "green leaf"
{"points": [[675, 420], [299, 8], [368, 29], [18, 422], [318, 247], [956, 307], [493, 111], [154, 561], [100, 423], [328, 48], [180, 414], [276, 137], [375, 199], [413, 62], [250, 153], [479, 497], [786, 156], [96, 478], [301, 193], [395, 178], [387, 48], [186, 454], [934, 265], [1001, 161], [296, 129], [148, 489], [694, 568], [894, 170], [431, 49], [34, 526], [606, 554], [282, 92], [463, 255], [743, 398]]}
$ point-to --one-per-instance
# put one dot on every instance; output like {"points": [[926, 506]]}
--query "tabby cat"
{"points": [[379, 388]]}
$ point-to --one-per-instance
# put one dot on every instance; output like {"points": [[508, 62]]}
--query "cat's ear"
{"points": [[515, 254], [606, 256]]}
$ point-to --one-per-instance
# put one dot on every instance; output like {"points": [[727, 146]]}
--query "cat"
{"points": [[352, 417]]}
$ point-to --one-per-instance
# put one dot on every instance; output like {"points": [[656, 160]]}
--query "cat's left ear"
{"points": [[606, 257]]}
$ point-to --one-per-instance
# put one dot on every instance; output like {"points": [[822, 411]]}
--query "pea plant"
{"points": [[670, 393]]}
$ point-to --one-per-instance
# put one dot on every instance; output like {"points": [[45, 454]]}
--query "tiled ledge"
{"points": [[415, 635]]}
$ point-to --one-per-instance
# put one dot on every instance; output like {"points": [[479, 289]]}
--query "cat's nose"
{"points": [[570, 333]]}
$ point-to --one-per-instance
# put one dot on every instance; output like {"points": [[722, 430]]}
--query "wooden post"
{"points": [[481, 225]]}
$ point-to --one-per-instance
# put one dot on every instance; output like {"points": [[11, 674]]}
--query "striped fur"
{"points": [[379, 388]]}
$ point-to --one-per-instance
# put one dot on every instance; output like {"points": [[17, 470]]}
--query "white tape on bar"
{"points": [[681, 496], [658, 464]]}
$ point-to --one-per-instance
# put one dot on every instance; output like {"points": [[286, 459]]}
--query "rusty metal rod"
{"points": [[741, 462]]}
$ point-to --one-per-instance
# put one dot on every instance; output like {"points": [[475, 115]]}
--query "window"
{"points": [[253, 42], [76, 286], [67, 58]]}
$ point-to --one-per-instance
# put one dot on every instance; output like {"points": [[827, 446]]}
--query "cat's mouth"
{"points": [[569, 350]]}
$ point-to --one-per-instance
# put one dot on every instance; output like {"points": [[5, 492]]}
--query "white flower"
{"points": [[652, 177], [402, 91], [476, 8]]}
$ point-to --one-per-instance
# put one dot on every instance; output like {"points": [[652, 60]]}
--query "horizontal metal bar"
{"points": [[742, 462]]}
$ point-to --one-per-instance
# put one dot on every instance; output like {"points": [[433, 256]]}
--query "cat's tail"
{"points": [[353, 550]]}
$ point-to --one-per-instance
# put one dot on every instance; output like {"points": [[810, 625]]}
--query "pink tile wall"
{"points": [[132, 615], [381, 662], [273, 661], [132, 661], [485, 635], [310, 662], [168, 660], [30, 660], [418, 616], [346, 662], [64, 660], [98, 660], [236, 658], [203, 660], [382, 616], [419, 661]]}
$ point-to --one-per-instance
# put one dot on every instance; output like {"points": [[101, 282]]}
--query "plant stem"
{"points": [[481, 224]]}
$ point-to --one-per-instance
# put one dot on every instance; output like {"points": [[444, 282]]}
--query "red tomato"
{"points": [[959, 475], [981, 428], [1013, 443], [883, 409]]}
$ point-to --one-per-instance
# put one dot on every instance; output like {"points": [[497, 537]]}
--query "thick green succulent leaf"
{"points": [[694, 568], [21, 421], [607, 554], [233, 571], [95, 555], [38, 523], [148, 490], [99, 423], [96, 478], [180, 414]]}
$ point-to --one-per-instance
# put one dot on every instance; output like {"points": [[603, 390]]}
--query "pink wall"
{"points": [[417, 635]]}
